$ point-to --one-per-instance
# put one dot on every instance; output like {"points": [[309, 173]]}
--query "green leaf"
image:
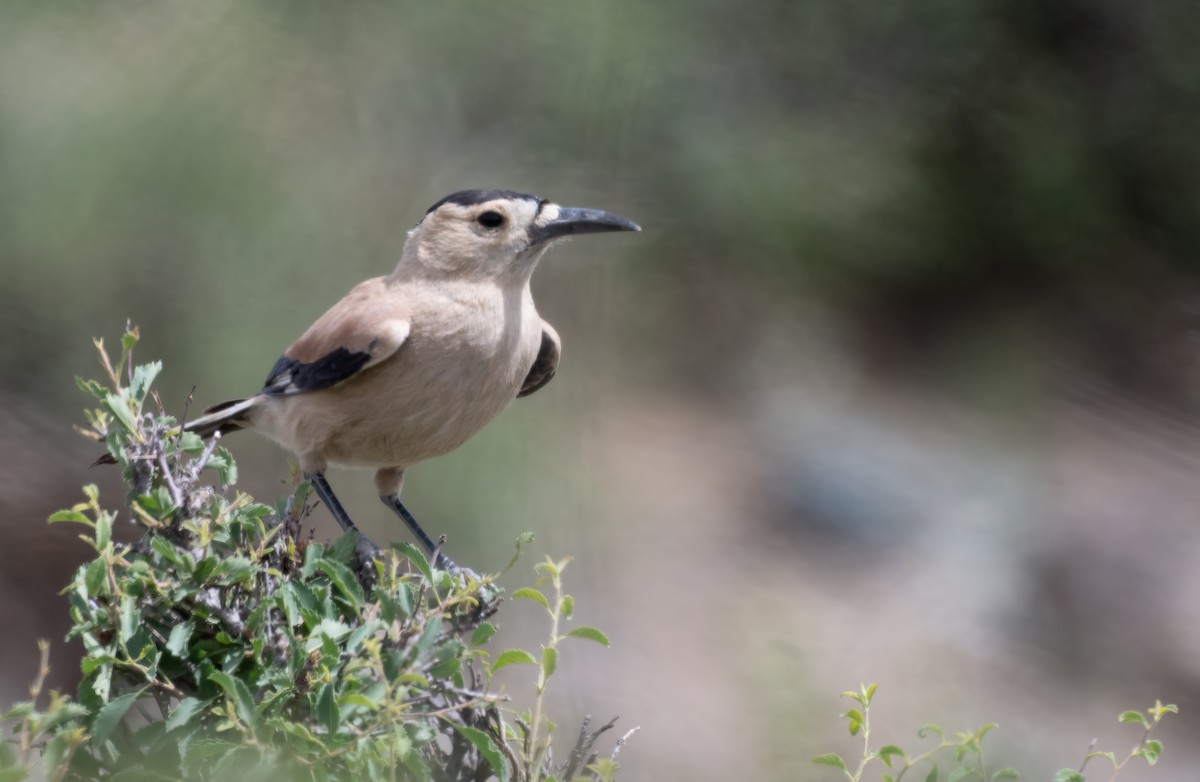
{"points": [[887, 752], [233, 570], [526, 593], [856, 720], [104, 525], [567, 607], [129, 623], [344, 581], [101, 682], [91, 387], [482, 634], [143, 377], [549, 661], [199, 753], [191, 443], [1006, 773], [1158, 710], [222, 461], [54, 755], [552, 568], [415, 556], [983, 731], [932, 775], [62, 713], [327, 628], [183, 712], [312, 555], [72, 516], [110, 716], [869, 693], [17, 712], [925, 730], [603, 770], [327, 708], [487, 747], [120, 410], [590, 633], [1068, 775], [1133, 716], [344, 547], [961, 773], [158, 503], [177, 643], [236, 691], [173, 554], [830, 759], [1151, 750], [358, 699], [429, 637], [95, 578], [449, 659], [513, 657]]}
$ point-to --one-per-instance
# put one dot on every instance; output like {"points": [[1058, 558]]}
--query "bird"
{"points": [[409, 366]]}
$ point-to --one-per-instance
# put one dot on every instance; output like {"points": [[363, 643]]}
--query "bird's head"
{"points": [[485, 234]]}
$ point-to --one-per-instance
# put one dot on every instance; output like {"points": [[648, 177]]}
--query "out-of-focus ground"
{"points": [[899, 384]]}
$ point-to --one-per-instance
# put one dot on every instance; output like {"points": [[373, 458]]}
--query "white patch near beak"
{"points": [[548, 215]]}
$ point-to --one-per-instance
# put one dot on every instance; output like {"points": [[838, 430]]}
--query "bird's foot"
{"points": [[486, 594]]}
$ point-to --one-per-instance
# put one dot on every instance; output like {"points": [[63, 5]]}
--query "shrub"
{"points": [[226, 644]]}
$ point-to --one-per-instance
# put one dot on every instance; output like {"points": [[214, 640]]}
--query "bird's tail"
{"points": [[220, 419]]}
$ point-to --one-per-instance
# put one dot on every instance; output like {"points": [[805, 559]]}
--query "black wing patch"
{"points": [[544, 366], [290, 376]]}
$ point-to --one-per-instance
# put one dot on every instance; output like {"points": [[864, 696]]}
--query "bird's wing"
{"points": [[363, 329], [546, 363]]}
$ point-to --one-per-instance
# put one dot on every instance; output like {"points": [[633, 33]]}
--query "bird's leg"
{"points": [[365, 551], [442, 561], [389, 481], [325, 492]]}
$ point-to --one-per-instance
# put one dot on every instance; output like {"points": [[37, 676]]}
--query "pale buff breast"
{"points": [[462, 364]]}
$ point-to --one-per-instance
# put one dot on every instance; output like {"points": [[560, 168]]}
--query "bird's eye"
{"points": [[490, 219]]}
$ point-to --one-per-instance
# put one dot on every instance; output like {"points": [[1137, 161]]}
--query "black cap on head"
{"points": [[472, 197]]}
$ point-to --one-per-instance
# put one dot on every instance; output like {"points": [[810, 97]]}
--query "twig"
{"points": [[35, 690], [176, 495], [199, 464], [580, 754], [1088, 755], [621, 741]]}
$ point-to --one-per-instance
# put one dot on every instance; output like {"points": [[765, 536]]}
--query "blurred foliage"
{"points": [[926, 167], [958, 757], [225, 643]]}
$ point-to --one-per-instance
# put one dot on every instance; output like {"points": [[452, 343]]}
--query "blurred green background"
{"points": [[899, 384]]}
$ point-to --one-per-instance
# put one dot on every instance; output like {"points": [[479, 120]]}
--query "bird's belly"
{"points": [[422, 430], [395, 415]]}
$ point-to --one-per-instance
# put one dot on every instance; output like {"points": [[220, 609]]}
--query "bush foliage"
{"points": [[227, 644]]}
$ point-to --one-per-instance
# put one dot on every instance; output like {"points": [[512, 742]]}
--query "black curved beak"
{"points": [[574, 220]]}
